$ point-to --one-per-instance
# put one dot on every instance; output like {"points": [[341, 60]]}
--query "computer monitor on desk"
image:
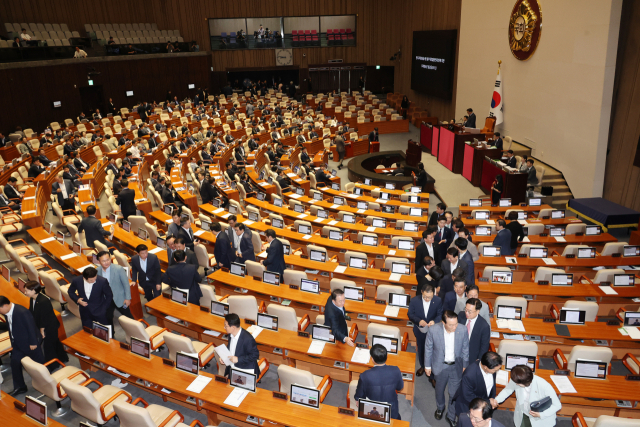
{"points": [[311, 286], [562, 279], [187, 363], [353, 293], [513, 360], [371, 410], [570, 316], [305, 396], [322, 333], [357, 262], [36, 410], [141, 348], [509, 312], [390, 343]]}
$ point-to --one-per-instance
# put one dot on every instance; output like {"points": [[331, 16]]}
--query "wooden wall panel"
{"points": [[382, 27], [622, 178]]}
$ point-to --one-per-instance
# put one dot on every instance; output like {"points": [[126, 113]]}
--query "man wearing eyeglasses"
{"points": [[478, 382], [479, 415]]}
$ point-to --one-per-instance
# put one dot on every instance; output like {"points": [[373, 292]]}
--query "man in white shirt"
{"points": [[24, 36], [79, 53], [242, 347], [479, 414]]}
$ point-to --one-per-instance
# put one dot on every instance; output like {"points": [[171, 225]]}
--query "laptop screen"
{"points": [[271, 278], [187, 363], [101, 331], [385, 196], [631, 251], [557, 214], [414, 199], [315, 255], [415, 189], [306, 396], [522, 215], [268, 321], [367, 181], [36, 410], [298, 208], [502, 277], [562, 279], [410, 226], [348, 218], [317, 196], [483, 231], [179, 296], [535, 202], [586, 252], [390, 343], [505, 202], [400, 268], [482, 215], [322, 214], [406, 245], [238, 269], [304, 229], [624, 280], [556, 231], [277, 202], [126, 226], [276, 223], [335, 235], [389, 186], [519, 359], [379, 223], [592, 230], [493, 251], [399, 300], [593, 369], [374, 411], [538, 252], [509, 312], [312, 286], [631, 318], [572, 317], [415, 212], [335, 186], [338, 201], [322, 333], [353, 293], [355, 262], [219, 308], [140, 347], [363, 205], [475, 203], [369, 240]]}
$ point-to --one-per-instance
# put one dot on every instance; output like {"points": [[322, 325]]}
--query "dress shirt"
{"points": [[470, 324], [430, 250], [87, 288], [488, 380], [233, 344], [449, 346], [143, 266], [106, 273], [63, 187], [454, 266], [189, 232], [236, 240], [426, 306], [9, 317]]}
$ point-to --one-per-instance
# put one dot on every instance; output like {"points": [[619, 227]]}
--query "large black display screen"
{"points": [[433, 62]]}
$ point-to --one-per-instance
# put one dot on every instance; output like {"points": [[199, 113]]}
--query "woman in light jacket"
{"points": [[530, 388]]}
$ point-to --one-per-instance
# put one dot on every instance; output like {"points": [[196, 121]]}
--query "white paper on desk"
{"points": [[381, 201], [199, 384], [360, 211], [247, 222], [335, 206], [516, 325], [255, 330], [361, 355], [302, 216], [67, 256], [122, 374], [608, 290], [623, 331], [81, 269], [379, 318], [391, 311], [633, 332], [217, 211], [371, 229], [28, 212], [262, 254], [199, 233], [106, 224], [172, 319], [47, 240], [307, 236], [155, 250], [168, 221], [312, 201], [517, 337], [511, 260], [318, 220], [291, 175], [495, 334], [332, 222], [395, 277], [563, 384], [522, 222], [140, 200], [392, 252], [212, 333], [491, 222], [263, 184], [30, 198], [502, 377], [236, 397], [549, 261], [316, 347], [560, 239], [340, 269], [223, 353], [526, 239], [225, 216]]}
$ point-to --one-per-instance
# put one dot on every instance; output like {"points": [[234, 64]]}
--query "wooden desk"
{"points": [[514, 185], [598, 241], [473, 159], [327, 191], [499, 211], [470, 222], [568, 264], [154, 375], [281, 347], [397, 192], [10, 416]]}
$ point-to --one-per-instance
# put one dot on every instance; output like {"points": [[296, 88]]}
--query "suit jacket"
{"points": [[223, 250], [335, 319], [93, 231], [275, 258], [434, 348], [11, 193], [484, 311], [446, 265], [447, 235], [498, 144], [516, 229], [380, 384], [184, 276], [472, 386], [471, 248], [44, 160], [539, 389], [23, 331], [190, 258], [35, 170], [207, 192], [471, 121], [433, 218], [480, 335], [446, 286], [512, 162], [167, 196], [304, 158], [119, 283], [153, 273], [99, 301], [470, 269], [44, 316], [126, 200], [503, 239], [113, 168], [246, 352], [231, 235], [77, 163], [416, 312], [246, 247], [68, 186], [373, 136], [450, 300], [531, 176], [188, 239]]}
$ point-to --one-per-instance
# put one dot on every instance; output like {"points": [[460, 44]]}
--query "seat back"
{"points": [[287, 318], [353, 385], [545, 273], [133, 328], [524, 249], [202, 255], [590, 307], [383, 291], [572, 249], [339, 284], [572, 229], [254, 268], [384, 330], [588, 352], [208, 295], [29, 268], [71, 305], [82, 401], [390, 260], [488, 270], [41, 379], [289, 375], [606, 275], [133, 416], [51, 286], [510, 301], [245, 306], [349, 254], [176, 343], [534, 229], [525, 348], [610, 421], [613, 248], [293, 277]]}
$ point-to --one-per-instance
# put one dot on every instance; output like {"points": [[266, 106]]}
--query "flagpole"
{"points": [[499, 64]]}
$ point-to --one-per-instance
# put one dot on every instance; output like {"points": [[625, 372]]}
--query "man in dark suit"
{"points": [[64, 190], [440, 210], [471, 121], [465, 259], [184, 276], [43, 158], [275, 254], [446, 283], [425, 310], [427, 265], [143, 111], [443, 237], [459, 287], [80, 164], [112, 166], [481, 411], [173, 133], [532, 179], [373, 135], [223, 250], [25, 340], [190, 256], [512, 161], [145, 269], [186, 233], [323, 177], [335, 317], [11, 189], [92, 228], [498, 141], [242, 346], [168, 196], [452, 261], [245, 251], [503, 238], [304, 156], [477, 327], [479, 377], [93, 295], [126, 200], [207, 190], [516, 229], [382, 382], [36, 168]]}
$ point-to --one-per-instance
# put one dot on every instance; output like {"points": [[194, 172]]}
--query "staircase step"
{"points": [[553, 181]]}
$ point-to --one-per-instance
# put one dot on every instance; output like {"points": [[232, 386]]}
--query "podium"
{"points": [[452, 145], [514, 185], [426, 135], [473, 160], [414, 153]]}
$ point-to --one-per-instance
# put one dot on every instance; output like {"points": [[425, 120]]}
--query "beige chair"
{"points": [[388, 261], [512, 302], [208, 295], [293, 277], [606, 275], [545, 212], [53, 290], [613, 248], [590, 307], [153, 232], [578, 420], [287, 318], [524, 249], [71, 305], [96, 406], [49, 383], [288, 375], [319, 249], [388, 331], [152, 333], [204, 258], [534, 229], [340, 284], [572, 249], [352, 403], [131, 415], [545, 273], [572, 229], [176, 343], [582, 352], [383, 291], [349, 254], [245, 306], [254, 268], [524, 348], [137, 222]]}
